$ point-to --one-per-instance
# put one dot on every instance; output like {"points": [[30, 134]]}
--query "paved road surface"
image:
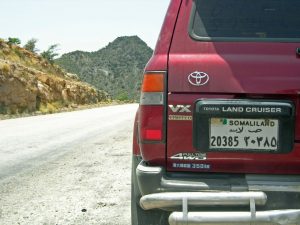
{"points": [[67, 168]]}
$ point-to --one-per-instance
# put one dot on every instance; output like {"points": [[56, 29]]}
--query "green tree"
{"points": [[13, 41], [123, 96], [31, 45], [51, 53]]}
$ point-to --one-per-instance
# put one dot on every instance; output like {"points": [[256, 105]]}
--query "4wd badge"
{"points": [[189, 156]]}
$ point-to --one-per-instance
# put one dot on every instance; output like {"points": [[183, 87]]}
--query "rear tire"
{"points": [[138, 215]]}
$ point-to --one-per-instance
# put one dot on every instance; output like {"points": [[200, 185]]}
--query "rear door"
{"points": [[238, 50]]}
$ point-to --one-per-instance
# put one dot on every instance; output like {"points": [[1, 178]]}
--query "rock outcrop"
{"points": [[29, 83]]}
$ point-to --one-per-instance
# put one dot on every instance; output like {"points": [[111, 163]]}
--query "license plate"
{"points": [[244, 134]]}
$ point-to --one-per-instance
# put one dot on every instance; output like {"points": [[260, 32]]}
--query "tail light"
{"points": [[151, 120]]}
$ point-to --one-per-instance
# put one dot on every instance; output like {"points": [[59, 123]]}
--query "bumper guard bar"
{"points": [[186, 199]]}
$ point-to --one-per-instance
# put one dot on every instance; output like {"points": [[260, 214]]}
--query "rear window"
{"points": [[261, 20]]}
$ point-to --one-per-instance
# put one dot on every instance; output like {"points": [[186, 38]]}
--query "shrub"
{"points": [[13, 41], [50, 54], [123, 96], [30, 45], [3, 109]]}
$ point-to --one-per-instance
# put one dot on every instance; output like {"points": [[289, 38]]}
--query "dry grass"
{"points": [[44, 110], [4, 68], [49, 108]]}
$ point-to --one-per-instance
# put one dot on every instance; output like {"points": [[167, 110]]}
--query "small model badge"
{"points": [[180, 108]]}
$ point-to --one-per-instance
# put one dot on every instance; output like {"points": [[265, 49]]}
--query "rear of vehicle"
{"points": [[217, 133]]}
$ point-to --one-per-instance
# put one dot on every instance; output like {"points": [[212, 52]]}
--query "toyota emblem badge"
{"points": [[198, 78]]}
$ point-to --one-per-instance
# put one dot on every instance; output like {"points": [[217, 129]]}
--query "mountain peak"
{"points": [[116, 68], [125, 41]]}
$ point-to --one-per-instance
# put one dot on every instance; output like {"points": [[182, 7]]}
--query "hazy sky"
{"points": [[86, 25]]}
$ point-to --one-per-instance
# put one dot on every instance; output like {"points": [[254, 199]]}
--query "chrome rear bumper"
{"points": [[186, 199], [274, 217], [175, 199], [155, 179], [228, 198]]}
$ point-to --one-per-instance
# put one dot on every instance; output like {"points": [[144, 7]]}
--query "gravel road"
{"points": [[67, 168]]}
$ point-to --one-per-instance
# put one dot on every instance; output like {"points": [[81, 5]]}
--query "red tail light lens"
{"points": [[152, 107], [153, 134], [151, 123]]}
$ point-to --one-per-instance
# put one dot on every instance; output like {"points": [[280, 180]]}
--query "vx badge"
{"points": [[198, 78]]}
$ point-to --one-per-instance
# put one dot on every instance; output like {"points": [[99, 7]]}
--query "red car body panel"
{"points": [[180, 135], [219, 116], [159, 60], [237, 70], [156, 153]]}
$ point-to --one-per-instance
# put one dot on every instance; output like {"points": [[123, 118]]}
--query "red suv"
{"points": [[217, 132]]}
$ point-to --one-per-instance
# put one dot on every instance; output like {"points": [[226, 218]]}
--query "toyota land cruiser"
{"points": [[217, 133]]}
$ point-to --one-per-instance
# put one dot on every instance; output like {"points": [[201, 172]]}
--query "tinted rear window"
{"points": [[246, 19]]}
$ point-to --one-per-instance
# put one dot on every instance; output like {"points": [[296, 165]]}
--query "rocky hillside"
{"points": [[30, 83], [117, 68]]}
